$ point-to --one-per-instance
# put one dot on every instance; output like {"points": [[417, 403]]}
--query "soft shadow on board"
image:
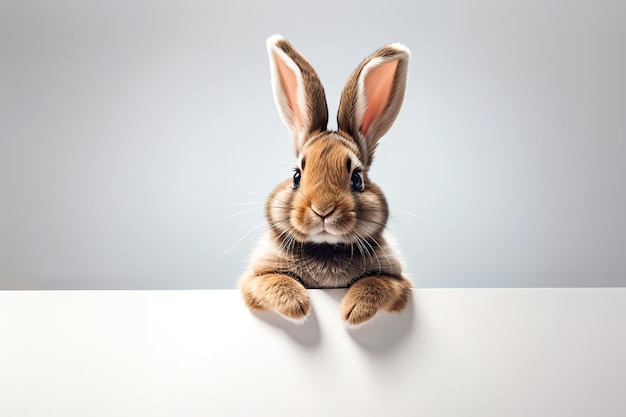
{"points": [[306, 334], [385, 331]]}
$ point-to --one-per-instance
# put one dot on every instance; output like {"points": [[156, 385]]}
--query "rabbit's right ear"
{"points": [[298, 92], [372, 97]]}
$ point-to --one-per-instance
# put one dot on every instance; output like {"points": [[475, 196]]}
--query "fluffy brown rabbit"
{"points": [[326, 224]]}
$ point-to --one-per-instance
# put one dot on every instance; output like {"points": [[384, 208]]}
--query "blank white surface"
{"points": [[487, 352]]}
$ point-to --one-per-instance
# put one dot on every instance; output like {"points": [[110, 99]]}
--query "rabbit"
{"points": [[326, 223]]}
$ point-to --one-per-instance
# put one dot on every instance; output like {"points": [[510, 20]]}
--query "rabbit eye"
{"points": [[356, 182], [296, 178]]}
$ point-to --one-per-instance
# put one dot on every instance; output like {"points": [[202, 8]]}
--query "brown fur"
{"points": [[371, 294], [323, 234], [277, 292]]}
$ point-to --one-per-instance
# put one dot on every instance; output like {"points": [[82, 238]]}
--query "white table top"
{"points": [[453, 352]]}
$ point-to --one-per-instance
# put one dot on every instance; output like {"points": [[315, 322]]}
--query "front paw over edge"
{"points": [[369, 295], [277, 292]]}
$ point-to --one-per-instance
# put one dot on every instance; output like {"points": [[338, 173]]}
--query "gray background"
{"points": [[131, 131]]}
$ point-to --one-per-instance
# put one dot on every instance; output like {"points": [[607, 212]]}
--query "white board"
{"points": [[453, 352]]}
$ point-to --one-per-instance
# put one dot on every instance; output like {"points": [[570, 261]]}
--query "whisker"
{"points": [[304, 261], [243, 211], [286, 232], [371, 221], [384, 253], [275, 222], [281, 206], [412, 215], [370, 249], [248, 223], [248, 204], [285, 201], [285, 241], [243, 237], [393, 219], [291, 244], [352, 251], [252, 192], [371, 252], [360, 247]]}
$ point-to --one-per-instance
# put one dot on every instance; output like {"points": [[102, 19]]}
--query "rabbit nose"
{"points": [[323, 212]]}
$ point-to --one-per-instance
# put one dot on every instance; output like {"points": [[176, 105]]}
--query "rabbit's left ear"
{"points": [[373, 95], [298, 92]]}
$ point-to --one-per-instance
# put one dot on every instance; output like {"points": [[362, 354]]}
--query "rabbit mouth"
{"points": [[326, 237], [327, 234]]}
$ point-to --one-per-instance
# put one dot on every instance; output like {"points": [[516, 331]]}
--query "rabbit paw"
{"points": [[362, 301], [368, 295], [291, 301], [277, 292]]}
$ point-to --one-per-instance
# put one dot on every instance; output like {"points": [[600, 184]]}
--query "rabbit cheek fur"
{"points": [[325, 230]]}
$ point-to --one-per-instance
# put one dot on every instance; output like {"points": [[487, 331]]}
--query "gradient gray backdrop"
{"points": [[129, 131]]}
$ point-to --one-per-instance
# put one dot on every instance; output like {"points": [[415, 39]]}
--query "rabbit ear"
{"points": [[298, 92], [373, 95]]}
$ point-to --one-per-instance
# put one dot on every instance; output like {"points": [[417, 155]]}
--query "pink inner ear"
{"points": [[378, 84], [290, 87]]}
